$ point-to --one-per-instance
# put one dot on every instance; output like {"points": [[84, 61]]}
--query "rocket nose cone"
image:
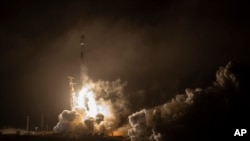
{"points": [[82, 37], [82, 40]]}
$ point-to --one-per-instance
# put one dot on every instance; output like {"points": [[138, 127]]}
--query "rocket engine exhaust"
{"points": [[95, 106], [100, 107]]}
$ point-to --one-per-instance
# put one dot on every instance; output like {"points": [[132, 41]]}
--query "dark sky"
{"points": [[158, 47]]}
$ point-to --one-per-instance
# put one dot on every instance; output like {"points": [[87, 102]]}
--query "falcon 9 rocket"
{"points": [[83, 65], [83, 75]]}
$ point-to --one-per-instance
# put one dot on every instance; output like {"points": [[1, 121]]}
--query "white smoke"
{"points": [[152, 124], [68, 120], [225, 78], [108, 94], [147, 124], [138, 121]]}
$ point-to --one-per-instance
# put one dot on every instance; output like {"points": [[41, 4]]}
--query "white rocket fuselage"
{"points": [[73, 100], [83, 74], [83, 65]]}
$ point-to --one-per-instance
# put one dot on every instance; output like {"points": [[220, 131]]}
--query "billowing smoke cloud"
{"points": [[68, 120], [191, 115], [146, 123], [188, 114], [109, 96]]}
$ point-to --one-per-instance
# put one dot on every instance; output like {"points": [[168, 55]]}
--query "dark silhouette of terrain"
{"points": [[58, 138]]}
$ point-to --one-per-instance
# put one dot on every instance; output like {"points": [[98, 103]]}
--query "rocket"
{"points": [[73, 101], [83, 74], [83, 65]]}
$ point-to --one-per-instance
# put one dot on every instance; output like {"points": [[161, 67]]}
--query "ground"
{"points": [[56, 138]]}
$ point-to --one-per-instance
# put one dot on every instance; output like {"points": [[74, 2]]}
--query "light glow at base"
{"points": [[95, 108], [115, 133], [86, 100]]}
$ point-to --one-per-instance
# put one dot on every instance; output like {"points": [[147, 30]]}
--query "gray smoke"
{"points": [[139, 125], [145, 123], [110, 94], [154, 124], [68, 120]]}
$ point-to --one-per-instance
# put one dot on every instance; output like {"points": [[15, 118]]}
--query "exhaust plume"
{"points": [[97, 108]]}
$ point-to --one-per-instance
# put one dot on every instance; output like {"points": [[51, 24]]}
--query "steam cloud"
{"points": [[106, 93], [169, 120], [191, 115]]}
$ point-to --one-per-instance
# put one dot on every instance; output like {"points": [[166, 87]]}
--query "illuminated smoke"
{"points": [[156, 124], [145, 123], [68, 120], [100, 106], [95, 109]]}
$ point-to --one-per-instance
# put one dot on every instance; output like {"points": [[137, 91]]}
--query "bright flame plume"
{"points": [[86, 100]]}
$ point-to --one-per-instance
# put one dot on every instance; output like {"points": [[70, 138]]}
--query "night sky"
{"points": [[159, 48]]}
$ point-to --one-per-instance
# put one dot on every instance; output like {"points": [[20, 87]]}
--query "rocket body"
{"points": [[83, 74], [73, 99], [83, 64]]}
